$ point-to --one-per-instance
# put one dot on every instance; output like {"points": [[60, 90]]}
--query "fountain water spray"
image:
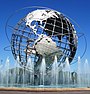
{"points": [[30, 66], [20, 77], [7, 72], [1, 75], [55, 72], [79, 72], [66, 73], [17, 70], [42, 71], [86, 73], [14, 73]]}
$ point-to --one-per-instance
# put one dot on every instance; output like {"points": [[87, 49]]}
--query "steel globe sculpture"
{"points": [[44, 42], [44, 33]]}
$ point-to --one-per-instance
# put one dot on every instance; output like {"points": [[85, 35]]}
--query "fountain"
{"points": [[86, 74], [66, 73], [21, 77], [1, 75], [79, 72], [7, 72], [55, 72], [30, 66], [56, 77], [14, 74], [42, 71]]}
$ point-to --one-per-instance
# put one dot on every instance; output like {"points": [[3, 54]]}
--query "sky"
{"points": [[78, 10]]}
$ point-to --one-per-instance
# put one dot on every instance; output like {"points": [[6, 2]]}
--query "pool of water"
{"points": [[44, 86]]}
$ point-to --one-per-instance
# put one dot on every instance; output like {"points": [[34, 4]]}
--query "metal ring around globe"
{"points": [[7, 48]]}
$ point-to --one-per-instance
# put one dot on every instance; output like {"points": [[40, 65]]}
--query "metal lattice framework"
{"points": [[60, 30]]}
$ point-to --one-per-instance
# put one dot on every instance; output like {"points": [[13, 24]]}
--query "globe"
{"points": [[44, 33]]}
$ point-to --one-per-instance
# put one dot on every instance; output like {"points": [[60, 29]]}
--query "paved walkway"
{"points": [[24, 92]]}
